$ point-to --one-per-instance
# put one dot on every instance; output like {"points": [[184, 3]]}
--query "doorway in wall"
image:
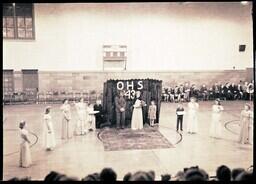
{"points": [[30, 83]]}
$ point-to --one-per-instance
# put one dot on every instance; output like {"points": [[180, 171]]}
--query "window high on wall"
{"points": [[114, 57], [18, 21]]}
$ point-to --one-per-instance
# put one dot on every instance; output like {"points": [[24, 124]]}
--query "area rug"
{"points": [[127, 139]]}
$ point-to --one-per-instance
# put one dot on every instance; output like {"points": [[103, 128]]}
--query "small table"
{"points": [[91, 119]]}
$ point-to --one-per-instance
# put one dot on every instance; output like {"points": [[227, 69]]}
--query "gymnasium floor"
{"points": [[83, 155]]}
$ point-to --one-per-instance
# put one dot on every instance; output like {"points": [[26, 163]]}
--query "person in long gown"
{"points": [[81, 125], [91, 118], [251, 131], [215, 129], [245, 121], [137, 116], [192, 124], [49, 135], [66, 120], [25, 154]]}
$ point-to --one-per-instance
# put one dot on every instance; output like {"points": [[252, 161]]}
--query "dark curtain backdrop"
{"points": [[151, 90]]}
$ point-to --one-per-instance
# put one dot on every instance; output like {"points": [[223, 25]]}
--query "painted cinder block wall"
{"points": [[94, 80], [87, 81], [159, 36]]}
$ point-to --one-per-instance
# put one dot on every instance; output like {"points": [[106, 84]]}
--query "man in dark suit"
{"points": [[120, 104], [216, 90], [180, 113], [204, 92], [99, 116], [234, 91]]}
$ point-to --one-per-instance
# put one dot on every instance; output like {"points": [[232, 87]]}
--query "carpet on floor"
{"points": [[127, 139]]}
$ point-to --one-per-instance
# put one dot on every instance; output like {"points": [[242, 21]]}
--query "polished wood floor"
{"points": [[83, 155]]}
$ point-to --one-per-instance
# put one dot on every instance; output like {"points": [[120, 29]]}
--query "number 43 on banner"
{"points": [[130, 94]]}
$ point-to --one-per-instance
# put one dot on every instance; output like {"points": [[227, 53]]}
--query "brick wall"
{"points": [[51, 80], [249, 74], [18, 85]]}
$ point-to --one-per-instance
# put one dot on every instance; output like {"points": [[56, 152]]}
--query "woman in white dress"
{"points": [[137, 116], [81, 126], [137, 119], [192, 124], [25, 155], [245, 121], [49, 135], [66, 120], [215, 129], [251, 129], [91, 118]]}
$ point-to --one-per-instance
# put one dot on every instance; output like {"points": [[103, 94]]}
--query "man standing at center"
{"points": [[120, 104]]}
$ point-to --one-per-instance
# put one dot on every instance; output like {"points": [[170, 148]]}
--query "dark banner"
{"points": [[150, 89]]}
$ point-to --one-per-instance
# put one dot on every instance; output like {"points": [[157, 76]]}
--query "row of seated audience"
{"points": [[49, 96], [227, 91], [194, 173]]}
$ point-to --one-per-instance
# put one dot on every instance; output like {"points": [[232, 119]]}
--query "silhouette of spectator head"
{"points": [[92, 177], [223, 173], [179, 176], [235, 172], [143, 176], [53, 176], [127, 176], [245, 176], [108, 174], [165, 177], [26, 178], [195, 174]]}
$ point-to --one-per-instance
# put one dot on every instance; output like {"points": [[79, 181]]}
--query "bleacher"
{"points": [[49, 97]]}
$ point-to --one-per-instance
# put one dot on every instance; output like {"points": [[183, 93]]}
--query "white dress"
{"points": [[137, 118], [251, 130], [25, 155], [91, 119], [66, 132], [246, 127], [215, 128], [192, 124], [81, 125], [49, 138]]}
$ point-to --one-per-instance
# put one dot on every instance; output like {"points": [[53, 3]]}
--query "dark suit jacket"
{"points": [[98, 108], [119, 103]]}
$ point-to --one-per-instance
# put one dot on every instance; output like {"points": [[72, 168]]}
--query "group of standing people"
{"points": [[192, 122], [86, 118], [85, 123], [137, 113], [245, 124]]}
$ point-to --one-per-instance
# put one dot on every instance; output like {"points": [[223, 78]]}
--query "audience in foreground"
{"points": [[194, 173]]}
